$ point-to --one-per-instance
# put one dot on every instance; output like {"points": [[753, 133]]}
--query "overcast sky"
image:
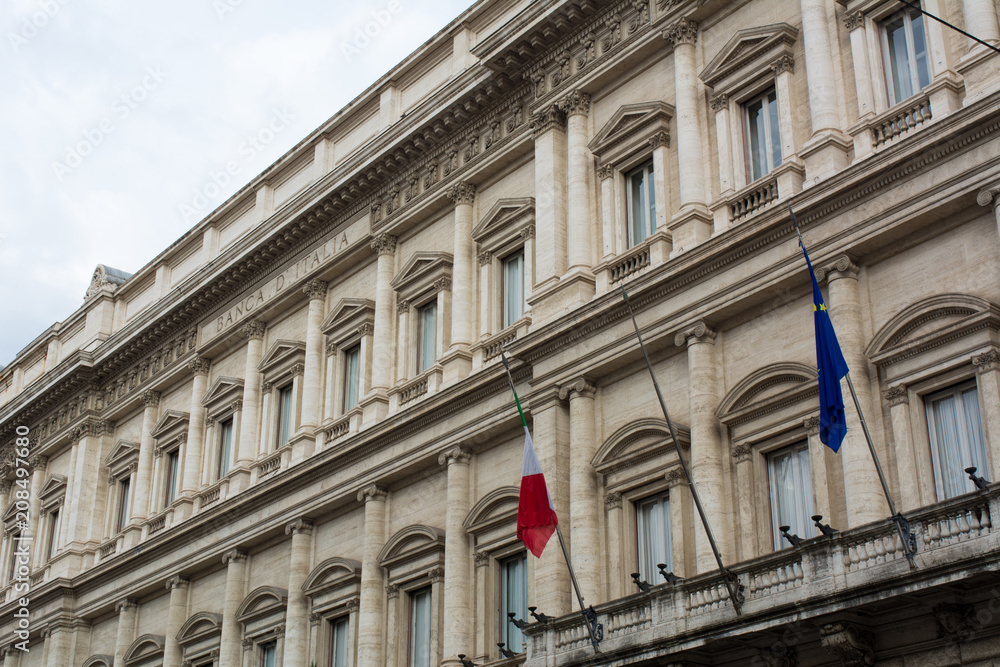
{"points": [[116, 112]]}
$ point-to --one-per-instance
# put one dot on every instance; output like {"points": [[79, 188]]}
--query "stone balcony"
{"points": [[797, 600]]}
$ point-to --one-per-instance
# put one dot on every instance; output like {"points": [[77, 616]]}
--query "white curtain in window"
{"points": [[352, 361], [284, 415], [791, 493], [514, 594], [338, 642], [420, 628], [957, 442], [513, 288], [653, 527], [427, 335]]}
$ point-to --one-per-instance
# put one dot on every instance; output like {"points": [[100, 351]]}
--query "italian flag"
{"points": [[536, 520]]}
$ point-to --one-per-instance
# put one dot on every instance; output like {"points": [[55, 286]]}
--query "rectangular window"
{"points": [[904, 53], [338, 641], [420, 628], [426, 336], [956, 435], [513, 288], [12, 566], [653, 532], [641, 203], [284, 415], [121, 517], [763, 139], [513, 598], [225, 446], [268, 654], [172, 476], [352, 377], [52, 543], [791, 493]]}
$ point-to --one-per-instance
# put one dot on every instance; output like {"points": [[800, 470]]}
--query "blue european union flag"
{"points": [[832, 367]]}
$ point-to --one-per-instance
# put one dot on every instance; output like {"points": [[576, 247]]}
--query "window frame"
{"points": [[123, 503], [422, 363], [425, 277], [220, 448], [770, 142], [662, 499], [912, 60], [171, 476], [351, 378], [648, 223], [333, 643], [52, 533], [955, 390], [506, 627], [284, 414], [804, 530], [412, 611], [507, 318], [262, 648]]}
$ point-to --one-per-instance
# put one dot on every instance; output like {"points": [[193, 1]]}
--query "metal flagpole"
{"points": [[732, 581], [906, 535], [595, 629]]}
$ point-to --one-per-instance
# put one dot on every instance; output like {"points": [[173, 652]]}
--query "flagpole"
{"points": [[902, 525], [588, 614], [732, 581]]}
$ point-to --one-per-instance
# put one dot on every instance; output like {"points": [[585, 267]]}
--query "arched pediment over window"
{"points": [[497, 506], [100, 661], [147, 649], [262, 601], [636, 443], [332, 573], [411, 542], [930, 323], [767, 389], [199, 625]]}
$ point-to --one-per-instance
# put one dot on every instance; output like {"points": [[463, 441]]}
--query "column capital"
{"points": [[38, 463], [402, 306], [661, 138], [546, 119], [150, 398], [837, 268], [581, 387], [605, 172], [811, 425], [675, 477], [234, 556], [987, 361], [484, 258], [177, 581], [199, 365], [384, 244], [576, 103], [741, 452], [896, 395], [482, 558], [989, 197], [456, 454], [697, 333], [372, 492], [436, 575], [315, 289], [785, 63], [253, 330], [613, 500], [125, 604], [315, 618], [303, 526], [462, 192], [854, 21], [392, 591], [720, 103], [442, 284], [682, 31]]}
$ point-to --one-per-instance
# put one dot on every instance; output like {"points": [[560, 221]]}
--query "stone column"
{"points": [[176, 614], [611, 231], [458, 360], [617, 554], [746, 517], [988, 384], [458, 636], [693, 222], [486, 601], [576, 106], [486, 290], [316, 291], [706, 441], [550, 433], [370, 640], [253, 331], [991, 197], [548, 130], [906, 460], [855, 24], [981, 20], [194, 454], [865, 500], [126, 629], [230, 644], [382, 352], [395, 654], [682, 515], [583, 496], [59, 643], [81, 489], [144, 476], [826, 152], [297, 613]]}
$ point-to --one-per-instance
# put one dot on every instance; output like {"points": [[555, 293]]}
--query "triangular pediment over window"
{"points": [[504, 221], [53, 489], [172, 424], [748, 54], [347, 316], [124, 452], [631, 128], [421, 270], [282, 353], [223, 390]]}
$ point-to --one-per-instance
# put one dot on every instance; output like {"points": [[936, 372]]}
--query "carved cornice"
{"points": [[698, 333], [384, 244], [315, 289], [576, 103], [987, 361], [682, 31], [896, 395], [253, 330], [462, 193], [372, 492], [855, 647]]}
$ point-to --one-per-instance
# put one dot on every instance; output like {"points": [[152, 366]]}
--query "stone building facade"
{"points": [[287, 440]]}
